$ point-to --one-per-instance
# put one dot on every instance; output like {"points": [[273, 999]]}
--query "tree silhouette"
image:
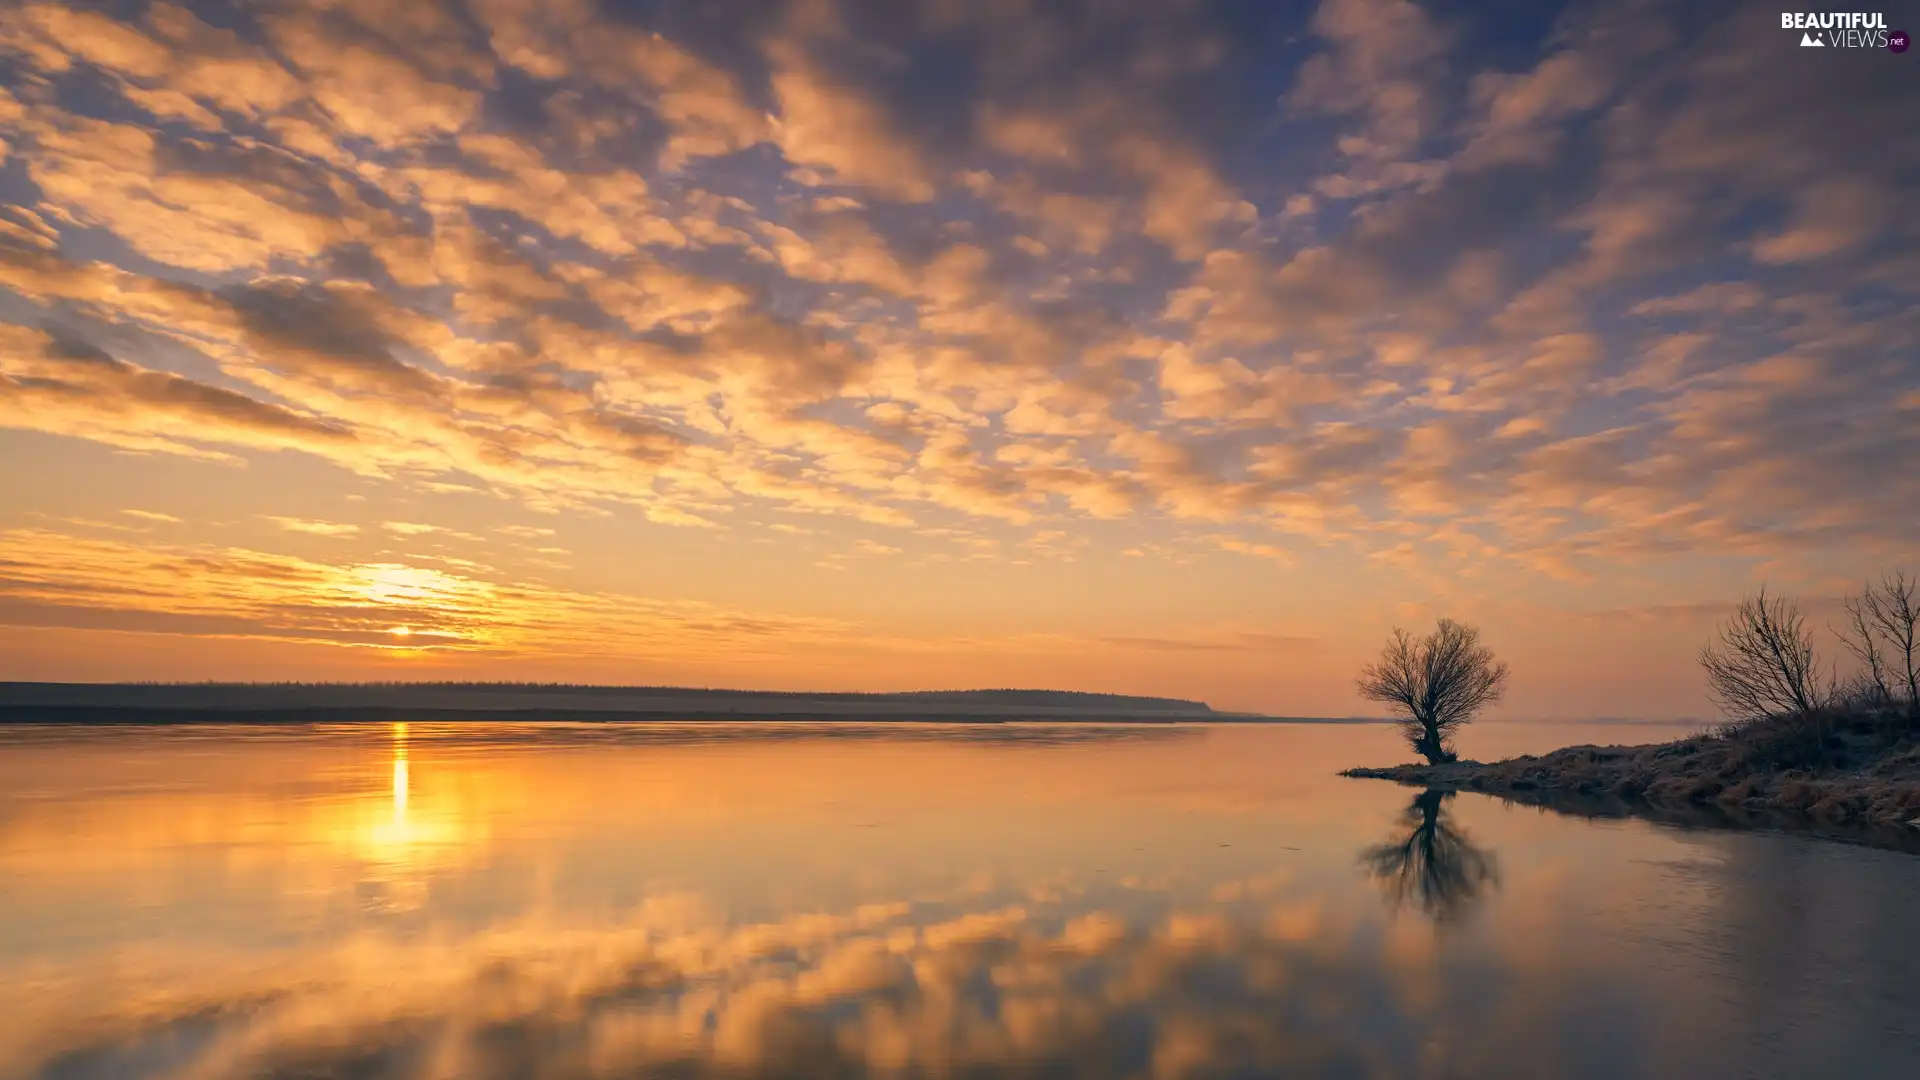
{"points": [[1762, 662], [1435, 684], [1435, 865], [1883, 634]]}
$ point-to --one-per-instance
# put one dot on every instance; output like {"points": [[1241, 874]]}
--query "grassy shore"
{"points": [[1855, 769]]}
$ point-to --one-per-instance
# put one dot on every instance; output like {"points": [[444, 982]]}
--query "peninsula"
{"points": [[1801, 737], [1853, 768]]}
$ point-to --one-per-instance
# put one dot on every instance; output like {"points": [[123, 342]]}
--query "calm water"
{"points": [[575, 901]]}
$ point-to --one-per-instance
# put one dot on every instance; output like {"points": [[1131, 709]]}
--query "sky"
{"points": [[1174, 348]]}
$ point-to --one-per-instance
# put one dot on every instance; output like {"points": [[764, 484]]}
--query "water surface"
{"points": [[585, 901]]}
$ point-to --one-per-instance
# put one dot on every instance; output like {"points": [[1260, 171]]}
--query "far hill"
{"points": [[22, 702]]}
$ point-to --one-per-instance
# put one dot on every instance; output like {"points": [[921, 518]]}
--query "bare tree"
{"points": [[1862, 638], [1883, 633], [1762, 662], [1435, 684]]}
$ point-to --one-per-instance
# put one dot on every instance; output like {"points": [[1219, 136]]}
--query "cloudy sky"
{"points": [[1175, 348]]}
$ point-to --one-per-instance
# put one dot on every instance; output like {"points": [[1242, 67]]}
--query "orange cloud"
{"points": [[1629, 304]]}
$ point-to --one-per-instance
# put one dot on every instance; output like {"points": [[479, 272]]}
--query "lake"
{"points": [[575, 901]]}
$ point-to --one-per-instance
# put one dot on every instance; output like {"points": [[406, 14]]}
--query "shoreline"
{"points": [[106, 716], [429, 702], [1711, 817], [116, 715], [1854, 778]]}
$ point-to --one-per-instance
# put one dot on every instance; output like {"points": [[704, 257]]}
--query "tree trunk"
{"points": [[1429, 745]]}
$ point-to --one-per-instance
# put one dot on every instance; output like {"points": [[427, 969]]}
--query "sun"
{"points": [[401, 631]]}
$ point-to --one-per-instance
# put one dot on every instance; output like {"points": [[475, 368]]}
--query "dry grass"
{"points": [[1854, 768]]}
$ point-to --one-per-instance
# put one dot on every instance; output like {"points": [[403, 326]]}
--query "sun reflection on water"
{"points": [[399, 773], [395, 833], [402, 845]]}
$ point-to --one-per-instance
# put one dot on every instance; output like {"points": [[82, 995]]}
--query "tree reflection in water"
{"points": [[1436, 865]]}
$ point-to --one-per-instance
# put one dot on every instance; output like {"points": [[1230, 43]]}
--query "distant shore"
{"points": [[265, 703], [1848, 770]]}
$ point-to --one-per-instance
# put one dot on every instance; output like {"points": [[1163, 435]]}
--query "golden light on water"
{"points": [[396, 838], [603, 904], [399, 774]]}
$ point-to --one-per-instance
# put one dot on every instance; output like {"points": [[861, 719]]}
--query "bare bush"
{"points": [[1882, 632], [1762, 663], [1435, 684]]}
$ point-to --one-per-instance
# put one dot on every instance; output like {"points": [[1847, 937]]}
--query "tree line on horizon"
{"points": [[1090, 696]]}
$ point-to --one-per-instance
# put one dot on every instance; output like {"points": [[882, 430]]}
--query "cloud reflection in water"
{"points": [[583, 903]]}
